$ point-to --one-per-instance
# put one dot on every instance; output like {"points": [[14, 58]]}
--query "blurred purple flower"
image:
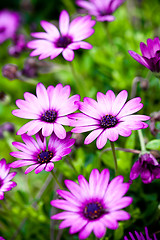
{"points": [[5, 177], [49, 110], [140, 236], [52, 43], [9, 22], [109, 117], [36, 153], [19, 45], [147, 167], [93, 206], [150, 55], [101, 9]]}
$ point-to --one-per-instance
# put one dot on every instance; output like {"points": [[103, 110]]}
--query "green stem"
{"points": [[56, 179], [141, 139], [114, 157]]}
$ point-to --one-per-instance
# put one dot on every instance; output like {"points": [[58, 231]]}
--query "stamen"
{"points": [[108, 121], [93, 210], [63, 42], [44, 156], [49, 116]]}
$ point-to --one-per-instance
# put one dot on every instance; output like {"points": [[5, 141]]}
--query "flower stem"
{"points": [[141, 139], [56, 179], [114, 157]]}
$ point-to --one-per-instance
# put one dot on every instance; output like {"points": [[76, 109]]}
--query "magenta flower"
{"points": [[5, 177], [140, 236], [49, 110], [147, 167], [150, 54], [109, 117], [101, 9], [93, 206], [37, 155], [52, 43], [9, 22]]}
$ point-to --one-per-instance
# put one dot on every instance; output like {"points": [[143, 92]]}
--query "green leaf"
{"points": [[154, 144]]}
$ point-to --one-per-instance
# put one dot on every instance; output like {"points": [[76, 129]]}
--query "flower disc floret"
{"points": [[36, 153], [53, 42], [49, 116], [108, 117], [94, 205], [108, 121], [93, 210], [49, 110]]}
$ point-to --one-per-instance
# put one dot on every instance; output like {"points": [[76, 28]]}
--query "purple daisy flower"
{"points": [[49, 110], [147, 167], [5, 177], [140, 236], [93, 206], [52, 42], [101, 9], [38, 155], [150, 54], [9, 22], [109, 117]]}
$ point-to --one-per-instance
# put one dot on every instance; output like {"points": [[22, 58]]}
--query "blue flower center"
{"points": [[93, 210], [63, 41], [108, 121], [44, 156], [49, 116]]}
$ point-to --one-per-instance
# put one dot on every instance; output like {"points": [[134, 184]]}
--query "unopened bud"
{"points": [[79, 139], [10, 71], [9, 127], [144, 84]]}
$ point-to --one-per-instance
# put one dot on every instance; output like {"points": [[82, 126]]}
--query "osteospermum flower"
{"points": [[38, 155], [147, 167], [140, 236], [9, 22], [52, 42], [109, 117], [150, 55], [101, 9], [93, 206], [49, 110], [5, 177]]}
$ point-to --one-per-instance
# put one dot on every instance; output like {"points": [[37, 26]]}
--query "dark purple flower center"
{"points": [[108, 121], [44, 156], [49, 116], [2, 29], [63, 41], [93, 210]]}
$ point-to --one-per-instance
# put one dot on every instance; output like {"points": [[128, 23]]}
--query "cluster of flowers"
{"points": [[94, 205]]}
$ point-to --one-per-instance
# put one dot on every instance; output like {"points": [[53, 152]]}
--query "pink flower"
{"points": [[9, 22], [101, 9], [5, 177], [52, 43], [37, 155], [150, 55], [49, 110], [109, 117], [93, 206], [147, 167]]}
